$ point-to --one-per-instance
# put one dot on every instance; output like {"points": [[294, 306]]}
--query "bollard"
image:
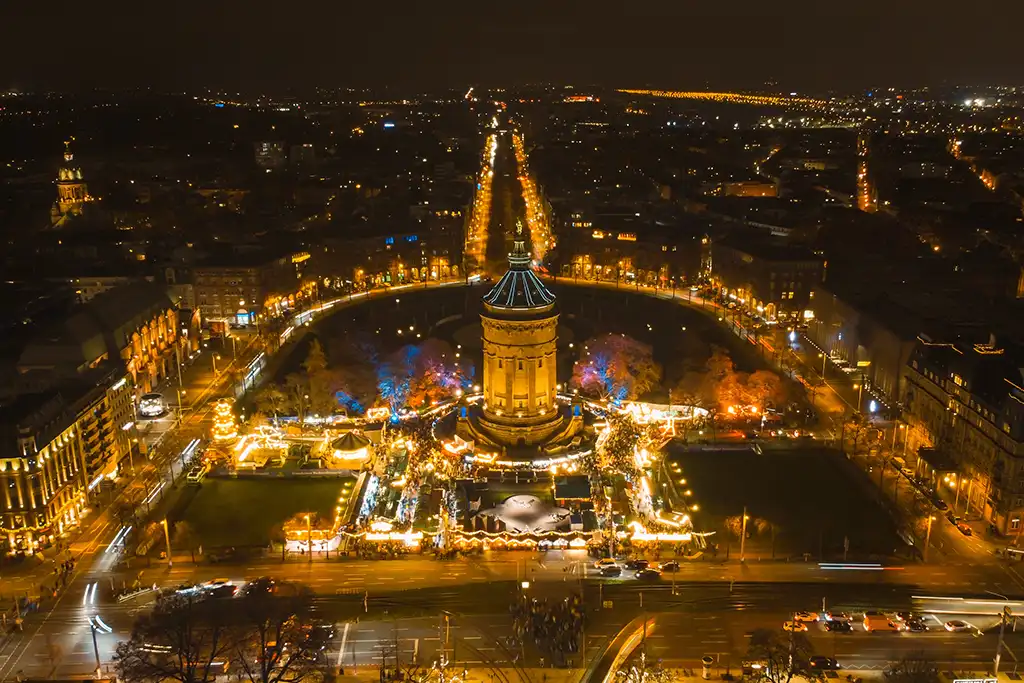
{"points": [[706, 661]]}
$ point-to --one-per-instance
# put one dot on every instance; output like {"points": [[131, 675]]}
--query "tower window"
{"points": [[520, 365], [499, 364], [540, 363]]}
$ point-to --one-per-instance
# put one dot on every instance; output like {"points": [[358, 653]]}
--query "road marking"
{"points": [[344, 640]]}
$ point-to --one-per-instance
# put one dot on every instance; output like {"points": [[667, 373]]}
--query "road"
{"points": [[695, 617]]}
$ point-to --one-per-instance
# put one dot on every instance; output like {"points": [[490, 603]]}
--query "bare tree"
{"points": [[181, 640], [273, 628], [781, 655], [185, 537], [915, 667]]}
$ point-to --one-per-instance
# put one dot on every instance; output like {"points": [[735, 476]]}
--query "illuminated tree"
{"points": [[617, 367], [322, 400], [272, 400], [298, 394], [763, 388]]}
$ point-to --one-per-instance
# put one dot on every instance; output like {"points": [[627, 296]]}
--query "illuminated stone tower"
{"points": [[72, 192], [520, 332]]}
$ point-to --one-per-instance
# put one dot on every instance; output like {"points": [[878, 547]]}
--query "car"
{"points": [[611, 570], [794, 626], [751, 435], [964, 529], [319, 636], [941, 505], [648, 574], [822, 663], [226, 590], [958, 626], [671, 566], [605, 562], [637, 564], [915, 625], [261, 586], [805, 616], [836, 616], [838, 626], [954, 519]]}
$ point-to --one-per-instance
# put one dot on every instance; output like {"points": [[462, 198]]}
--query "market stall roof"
{"points": [[350, 442]]}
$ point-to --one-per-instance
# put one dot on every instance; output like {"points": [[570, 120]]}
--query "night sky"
{"points": [[262, 45]]}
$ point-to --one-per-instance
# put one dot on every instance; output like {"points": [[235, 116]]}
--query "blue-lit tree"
{"points": [[616, 367]]}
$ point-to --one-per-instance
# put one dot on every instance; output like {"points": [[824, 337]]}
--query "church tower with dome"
{"points": [[520, 334], [72, 191]]}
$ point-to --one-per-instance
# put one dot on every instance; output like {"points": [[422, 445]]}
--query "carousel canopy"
{"points": [[350, 442]]}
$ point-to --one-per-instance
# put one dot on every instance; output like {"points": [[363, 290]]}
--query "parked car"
{"points": [[964, 529], [954, 519], [838, 626], [637, 564], [611, 570], [959, 626], [822, 663]]}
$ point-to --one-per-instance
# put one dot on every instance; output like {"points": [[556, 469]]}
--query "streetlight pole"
{"points": [[167, 540], [743, 534], [309, 537], [96, 650], [928, 536], [1002, 629]]}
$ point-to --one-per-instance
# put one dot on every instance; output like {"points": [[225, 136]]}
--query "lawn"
{"points": [[244, 511], [809, 494]]}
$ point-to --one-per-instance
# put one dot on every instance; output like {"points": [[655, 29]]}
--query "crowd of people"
{"points": [[554, 626]]}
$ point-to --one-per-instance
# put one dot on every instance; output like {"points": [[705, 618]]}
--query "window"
{"points": [[1014, 523], [520, 365], [499, 364], [540, 363]]}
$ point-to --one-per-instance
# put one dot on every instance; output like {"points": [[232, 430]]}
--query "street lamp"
{"points": [[743, 535], [167, 540], [928, 536], [309, 537], [97, 624]]}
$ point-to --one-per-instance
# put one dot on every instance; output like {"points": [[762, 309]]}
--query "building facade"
{"points": [[241, 290], [134, 325], [41, 472], [774, 279], [967, 400]]}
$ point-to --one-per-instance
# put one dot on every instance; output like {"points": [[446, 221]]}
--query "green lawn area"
{"points": [[244, 511]]}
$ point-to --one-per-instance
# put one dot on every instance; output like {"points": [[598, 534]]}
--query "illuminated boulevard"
{"points": [[707, 608]]}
